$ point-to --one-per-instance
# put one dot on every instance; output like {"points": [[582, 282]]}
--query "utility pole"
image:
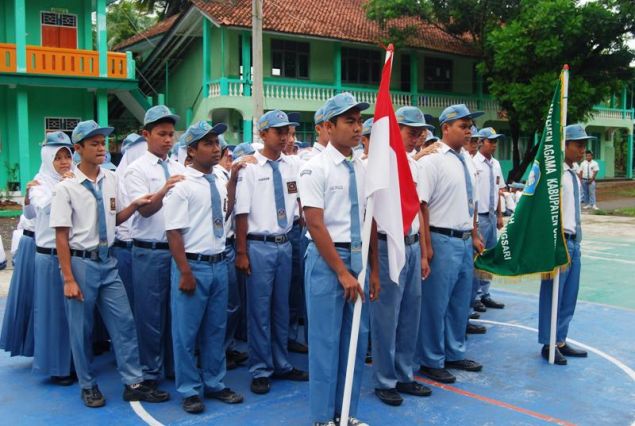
{"points": [[257, 84]]}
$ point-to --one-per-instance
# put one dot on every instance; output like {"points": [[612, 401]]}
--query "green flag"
{"points": [[533, 241]]}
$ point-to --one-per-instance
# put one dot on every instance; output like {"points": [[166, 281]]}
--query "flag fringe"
{"points": [[548, 275]]}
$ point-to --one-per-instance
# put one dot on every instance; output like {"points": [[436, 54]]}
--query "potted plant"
{"points": [[6, 202], [13, 177]]}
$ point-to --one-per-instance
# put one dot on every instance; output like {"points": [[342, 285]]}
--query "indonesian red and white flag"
{"points": [[388, 178]]}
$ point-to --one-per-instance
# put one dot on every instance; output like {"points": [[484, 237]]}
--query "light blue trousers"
{"points": [[445, 302], [124, 265], [102, 288], [234, 305], [394, 328], [200, 319], [487, 230], [330, 321], [567, 298], [268, 307], [588, 192]]}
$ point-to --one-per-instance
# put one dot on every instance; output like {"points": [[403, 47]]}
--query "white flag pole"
{"points": [[357, 314], [556, 280]]}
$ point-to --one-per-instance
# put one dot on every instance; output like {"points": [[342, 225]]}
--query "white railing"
{"points": [[613, 114], [235, 88], [304, 93], [214, 90], [441, 101]]}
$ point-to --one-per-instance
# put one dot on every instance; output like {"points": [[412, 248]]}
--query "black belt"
{"points": [[85, 254], [343, 245], [28, 233], [151, 245], [45, 250], [568, 236], [230, 241], [209, 258], [123, 244], [296, 222], [464, 235], [278, 239], [408, 239]]}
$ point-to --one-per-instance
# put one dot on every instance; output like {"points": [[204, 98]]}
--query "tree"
{"points": [[523, 44], [165, 8], [125, 19]]}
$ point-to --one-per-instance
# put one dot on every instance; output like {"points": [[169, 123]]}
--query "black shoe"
{"points": [[142, 392], [475, 329], [227, 396], [260, 385], [100, 347], [369, 358], [193, 404], [440, 375], [93, 397], [414, 388], [297, 347], [64, 380], [568, 350], [464, 364], [236, 356], [489, 303], [152, 384], [479, 306], [230, 364], [389, 396], [475, 315], [294, 375], [559, 359]]}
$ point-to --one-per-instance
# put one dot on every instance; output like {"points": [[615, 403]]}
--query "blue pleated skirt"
{"points": [[52, 355], [17, 326]]}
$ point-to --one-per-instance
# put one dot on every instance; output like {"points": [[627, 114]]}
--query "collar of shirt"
{"points": [[262, 160], [192, 172], [318, 147], [336, 156], [444, 148], [154, 159], [480, 157], [81, 177], [565, 167]]}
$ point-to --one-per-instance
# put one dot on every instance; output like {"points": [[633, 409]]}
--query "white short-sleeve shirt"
{"points": [[188, 207], [568, 199], [483, 180], [443, 188], [310, 153], [145, 176], [255, 194], [588, 168], [74, 206], [324, 184]]}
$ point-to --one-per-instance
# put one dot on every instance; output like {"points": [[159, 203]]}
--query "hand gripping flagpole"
{"points": [[564, 93]]}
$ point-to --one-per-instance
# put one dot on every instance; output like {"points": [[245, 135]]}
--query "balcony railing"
{"points": [[65, 62]]}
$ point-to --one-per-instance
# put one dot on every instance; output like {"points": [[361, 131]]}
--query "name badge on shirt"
{"points": [[225, 206], [498, 180], [113, 204], [292, 187]]}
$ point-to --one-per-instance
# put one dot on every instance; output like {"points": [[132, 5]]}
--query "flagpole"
{"points": [[357, 314], [556, 280]]}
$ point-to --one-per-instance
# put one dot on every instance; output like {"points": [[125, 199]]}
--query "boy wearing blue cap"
{"points": [[576, 140], [393, 331], [266, 204], [90, 205], [322, 136], [490, 216], [332, 195], [194, 221], [366, 129], [448, 194], [153, 173]]}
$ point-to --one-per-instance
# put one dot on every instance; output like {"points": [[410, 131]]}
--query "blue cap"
{"points": [[294, 117], [244, 148], [222, 142], [431, 139], [107, 164], [318, 117], [159, 112], [76, 157], [474, 130], [576, 132], [339, 104], [131, 139], [489, 133], [199, 130], [87, 129], [517, 185], [457, 112], [275, 118], [367, 127], [58, 139], [412, 117]]}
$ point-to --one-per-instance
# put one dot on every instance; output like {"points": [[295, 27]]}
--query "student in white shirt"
{"points": [[322, 136], [449, 196], [490, 216], [588, 171], [393, 332], [153, 173], [576, 139], [84, 213], [195, 224], [332, 195], [266, 204]]}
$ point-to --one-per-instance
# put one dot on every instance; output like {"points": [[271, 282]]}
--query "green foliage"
{"points": [[125, 19], [164, 8]]}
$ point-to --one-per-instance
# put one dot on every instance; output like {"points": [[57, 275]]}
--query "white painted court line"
{"points": [[619, 364], [629, 262], [144, 415]]}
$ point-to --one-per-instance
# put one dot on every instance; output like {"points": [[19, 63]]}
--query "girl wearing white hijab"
{"points": [[52, 355]]}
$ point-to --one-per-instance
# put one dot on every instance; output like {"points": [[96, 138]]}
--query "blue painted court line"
{"points": [[587, 391]]}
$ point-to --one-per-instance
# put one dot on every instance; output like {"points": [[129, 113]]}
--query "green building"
{"points": [[54, 72], [201, 59]]}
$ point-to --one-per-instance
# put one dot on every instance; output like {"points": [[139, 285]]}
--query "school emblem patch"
{"points": [[533, 179], [282, 213], [113, 204], [292, 187]]}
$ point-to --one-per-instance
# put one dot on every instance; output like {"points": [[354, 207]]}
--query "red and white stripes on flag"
{"points": [[388, 177]]}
